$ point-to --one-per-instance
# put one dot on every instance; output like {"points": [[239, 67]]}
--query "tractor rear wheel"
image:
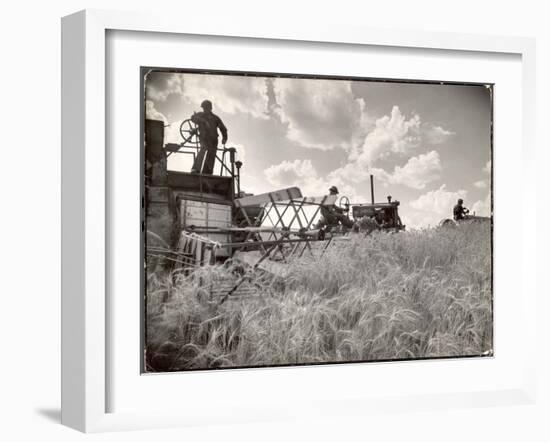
{"points": [[447, 223]]}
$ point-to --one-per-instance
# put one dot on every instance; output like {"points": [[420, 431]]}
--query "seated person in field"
{"points": [[332, 215], [459, 211]]}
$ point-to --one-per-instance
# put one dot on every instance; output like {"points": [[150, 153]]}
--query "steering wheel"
{"points": [[344, 203], [189, 131]]}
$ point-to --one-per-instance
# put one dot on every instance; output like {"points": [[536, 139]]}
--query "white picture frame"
{"points": [[85, 236]]}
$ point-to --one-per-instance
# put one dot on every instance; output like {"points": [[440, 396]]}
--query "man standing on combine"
{"points": [[208, 124]]}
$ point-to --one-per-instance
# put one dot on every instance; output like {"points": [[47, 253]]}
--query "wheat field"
{"points": [[415, 294]]}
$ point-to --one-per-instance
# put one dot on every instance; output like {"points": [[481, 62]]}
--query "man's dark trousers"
{"points": [[209, 149]]}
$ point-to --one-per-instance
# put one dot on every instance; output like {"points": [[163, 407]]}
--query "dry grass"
{"points": [[416, 294]]}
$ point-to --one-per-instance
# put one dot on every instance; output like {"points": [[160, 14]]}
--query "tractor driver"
{"points": [[332, 215], [459, 211], [208, 123]]}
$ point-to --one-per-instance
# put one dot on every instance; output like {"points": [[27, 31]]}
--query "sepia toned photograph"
{"points": [[299, 220]]}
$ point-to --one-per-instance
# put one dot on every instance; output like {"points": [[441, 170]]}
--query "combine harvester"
{"points": [[190, 220]]}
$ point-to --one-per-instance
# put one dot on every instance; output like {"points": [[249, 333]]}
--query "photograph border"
{"points": [[85, 199], [143, 245]]}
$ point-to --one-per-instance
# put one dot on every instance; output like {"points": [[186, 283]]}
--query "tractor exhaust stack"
{"points": [[372, 188]]}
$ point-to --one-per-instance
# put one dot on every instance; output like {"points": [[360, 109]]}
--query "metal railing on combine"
{"points": [[225, 163]]}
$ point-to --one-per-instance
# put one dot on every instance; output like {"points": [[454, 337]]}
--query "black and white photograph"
{"points": [[287, 221], [299, 219]]}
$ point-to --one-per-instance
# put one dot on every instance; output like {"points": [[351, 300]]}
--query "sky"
{"points": [[426, 144]]}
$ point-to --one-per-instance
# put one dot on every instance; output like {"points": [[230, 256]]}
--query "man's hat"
{"points": [[333, 189], [206, 104], [460, 201]]}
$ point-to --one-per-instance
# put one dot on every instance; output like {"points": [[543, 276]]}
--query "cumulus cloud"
{"points": [[435, 205], [320, 114], [482, 207], [417, 220], [349, 173], [152, 113], [160, 85], [392, 133], [172, 132], [302, 173], [229, 93], [325, 114], [416, 173], [481, 184], [438, 135]]}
